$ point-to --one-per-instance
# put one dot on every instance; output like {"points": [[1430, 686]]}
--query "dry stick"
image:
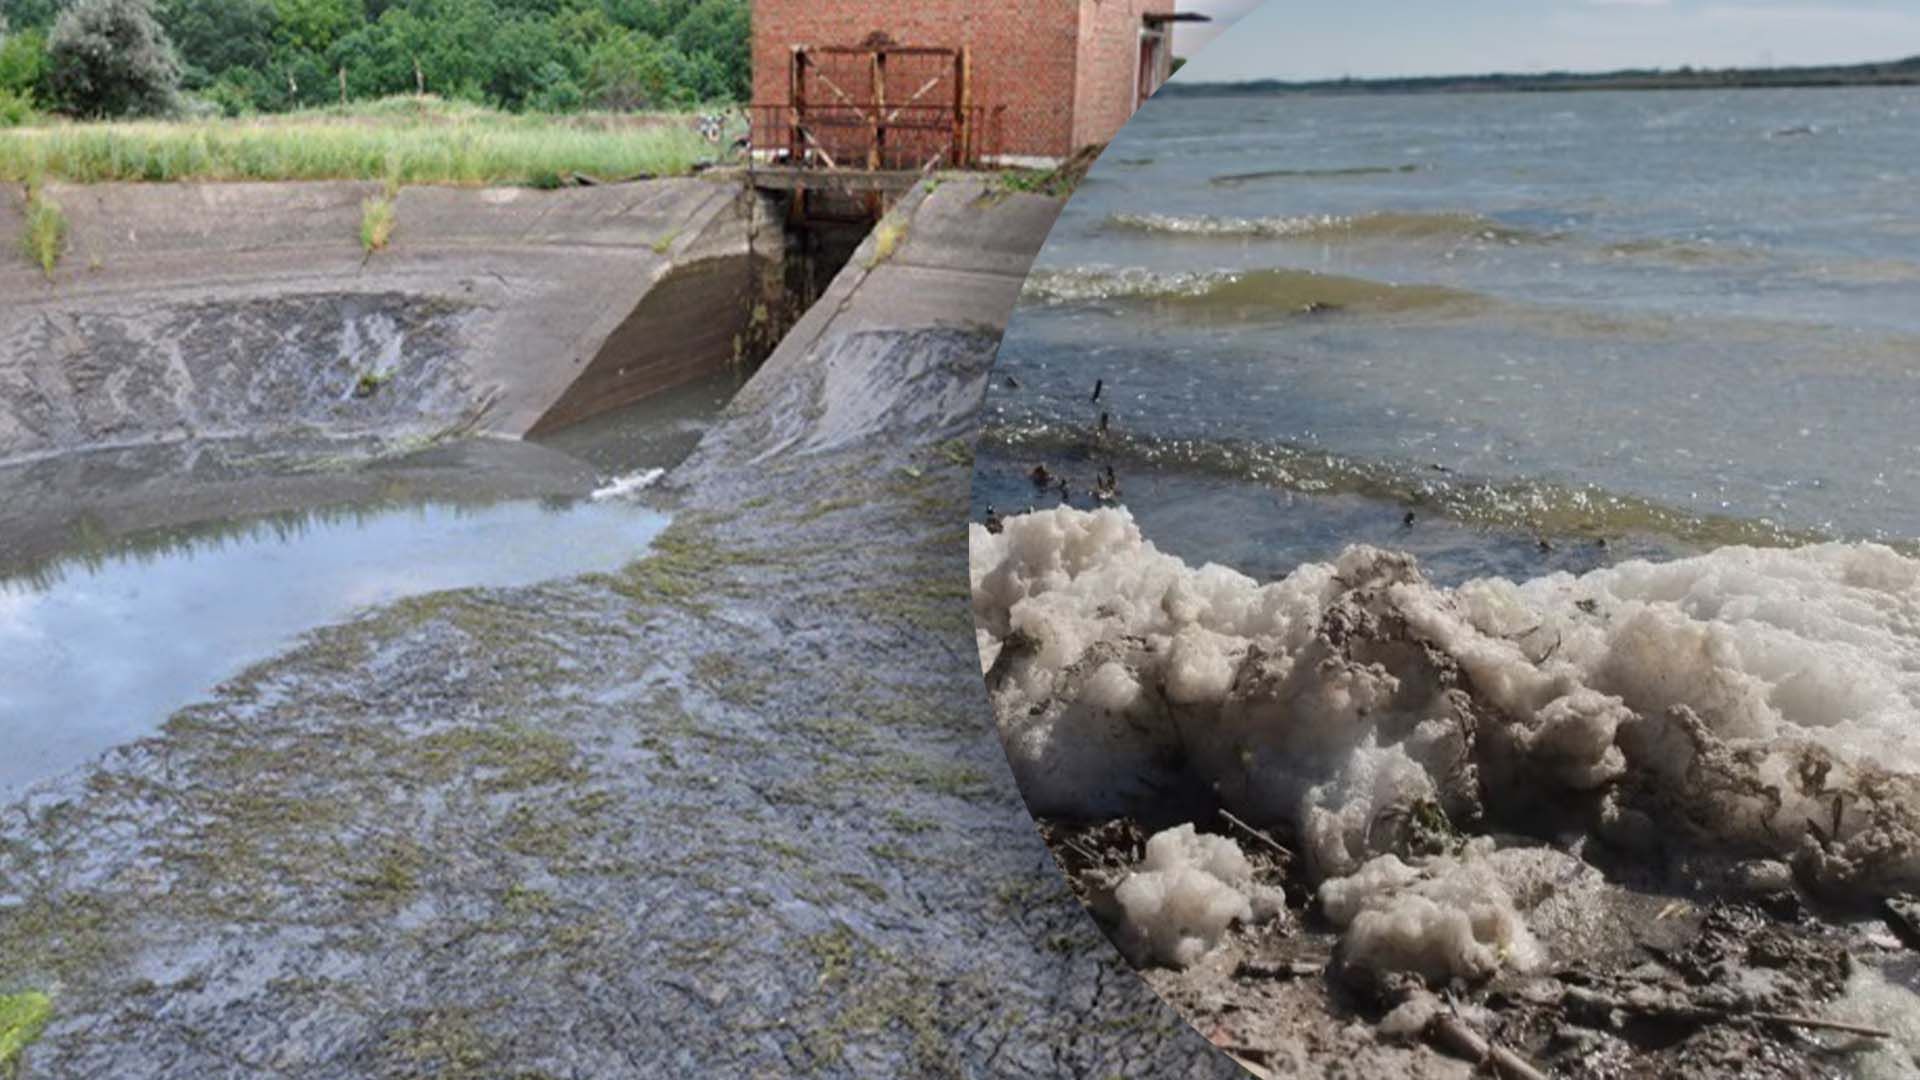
{"points": [[1256, 834], [1702, 1016], [1453, 1034], [1829, 1025], [1081, 849]]}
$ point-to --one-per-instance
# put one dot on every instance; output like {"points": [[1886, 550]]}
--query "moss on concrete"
{"points": [[875, 994], [60, 937], [888, 236], [448, 1044], [393, 876], [22, 1017], [686, 568], [935, 605]]}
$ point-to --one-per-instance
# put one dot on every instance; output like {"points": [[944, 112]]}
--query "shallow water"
{"points": [[99, 649], [1657, 318], [133, 581], [657, 433]]}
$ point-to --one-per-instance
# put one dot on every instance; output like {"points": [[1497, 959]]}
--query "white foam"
{"points": [[1447, 918], [1731, 701], [1188, 890], [1872, 999], [625, 487]]}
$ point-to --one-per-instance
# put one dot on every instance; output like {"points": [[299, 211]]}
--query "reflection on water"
{"points": [[100, 648]]}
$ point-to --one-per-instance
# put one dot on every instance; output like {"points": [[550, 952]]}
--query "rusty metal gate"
{"points": [[875, 106]]}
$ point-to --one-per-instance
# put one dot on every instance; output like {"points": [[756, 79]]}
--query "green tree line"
{"points": [[143, 57]]}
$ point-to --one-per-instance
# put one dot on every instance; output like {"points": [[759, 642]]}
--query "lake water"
{"points": [[1665, 320]]}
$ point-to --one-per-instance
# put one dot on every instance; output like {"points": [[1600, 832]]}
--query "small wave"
{"points": [[632, 484], [1237, 179], [1521, 506], [1385, 225], [1685, 252], [1246, 293]]}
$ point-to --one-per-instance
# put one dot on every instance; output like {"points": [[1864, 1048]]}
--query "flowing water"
{"points": [[1669, 321]]}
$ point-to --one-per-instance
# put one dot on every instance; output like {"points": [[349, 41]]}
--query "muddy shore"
{"points": [[1403, 859]]}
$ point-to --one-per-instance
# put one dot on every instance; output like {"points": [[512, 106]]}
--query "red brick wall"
{"points": [[1023, 53], [1105, 91]]}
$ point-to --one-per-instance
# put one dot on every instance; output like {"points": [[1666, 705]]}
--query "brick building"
{"points": [[1026, 81]]}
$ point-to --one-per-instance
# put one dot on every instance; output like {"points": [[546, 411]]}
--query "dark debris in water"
{"points": [[1699, 984]]}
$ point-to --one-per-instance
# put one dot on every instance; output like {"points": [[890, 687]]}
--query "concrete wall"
{"points": [[904, 337], [1023, 54], [186, 310]]}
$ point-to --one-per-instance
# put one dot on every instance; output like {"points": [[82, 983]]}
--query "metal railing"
{"points": [[875, 137]]}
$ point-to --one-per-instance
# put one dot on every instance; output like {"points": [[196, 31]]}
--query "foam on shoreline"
{"points": [[1751, 702]]}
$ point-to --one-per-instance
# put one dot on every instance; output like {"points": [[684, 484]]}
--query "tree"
{"points": [[29, 14], [23, 61], [217, 36], [721, 30], [313, 25], [555, 91], [518, 62], [271, 55], [630, 70], [112, 58]]}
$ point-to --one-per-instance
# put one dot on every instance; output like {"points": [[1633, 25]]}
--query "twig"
{"points": [[1828, 1025], [1082, 850], [1256, 834], [1454, 1035], [1701, 1016]]}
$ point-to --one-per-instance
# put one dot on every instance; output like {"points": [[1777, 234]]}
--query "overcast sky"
{"points": [[1328, 39]]}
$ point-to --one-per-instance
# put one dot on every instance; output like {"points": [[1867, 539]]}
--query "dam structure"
{"points": [[729, 806], [499, 310]]}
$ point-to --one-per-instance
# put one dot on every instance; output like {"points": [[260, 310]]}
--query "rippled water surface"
{"points": [[1666, 320]]}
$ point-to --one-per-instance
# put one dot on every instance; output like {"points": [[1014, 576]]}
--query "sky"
{"points": [[1330, 39]]}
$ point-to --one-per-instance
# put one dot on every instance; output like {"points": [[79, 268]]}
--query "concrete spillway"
{"points": [[193, 310], [734, 809]]}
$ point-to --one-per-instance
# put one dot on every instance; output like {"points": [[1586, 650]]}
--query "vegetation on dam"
{"points": [[399, 140]]}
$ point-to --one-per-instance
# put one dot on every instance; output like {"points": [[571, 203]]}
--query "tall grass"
{"points": [[376, 223], [44, 239], [407, 141]]}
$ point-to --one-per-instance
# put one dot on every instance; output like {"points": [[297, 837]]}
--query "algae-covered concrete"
{"points": [[206, 310], [737, 809]]}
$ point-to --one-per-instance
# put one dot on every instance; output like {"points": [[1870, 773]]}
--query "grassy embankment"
{"points": [[396, 140], [403, 140]]}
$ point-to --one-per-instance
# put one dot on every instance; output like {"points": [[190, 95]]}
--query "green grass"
{"points": [[376, 228], [16, 108], [22, 1016], [45, 236], [401, 141]]}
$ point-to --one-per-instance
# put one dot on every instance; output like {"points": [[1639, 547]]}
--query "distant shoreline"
{"points": [[1895, 73]]}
